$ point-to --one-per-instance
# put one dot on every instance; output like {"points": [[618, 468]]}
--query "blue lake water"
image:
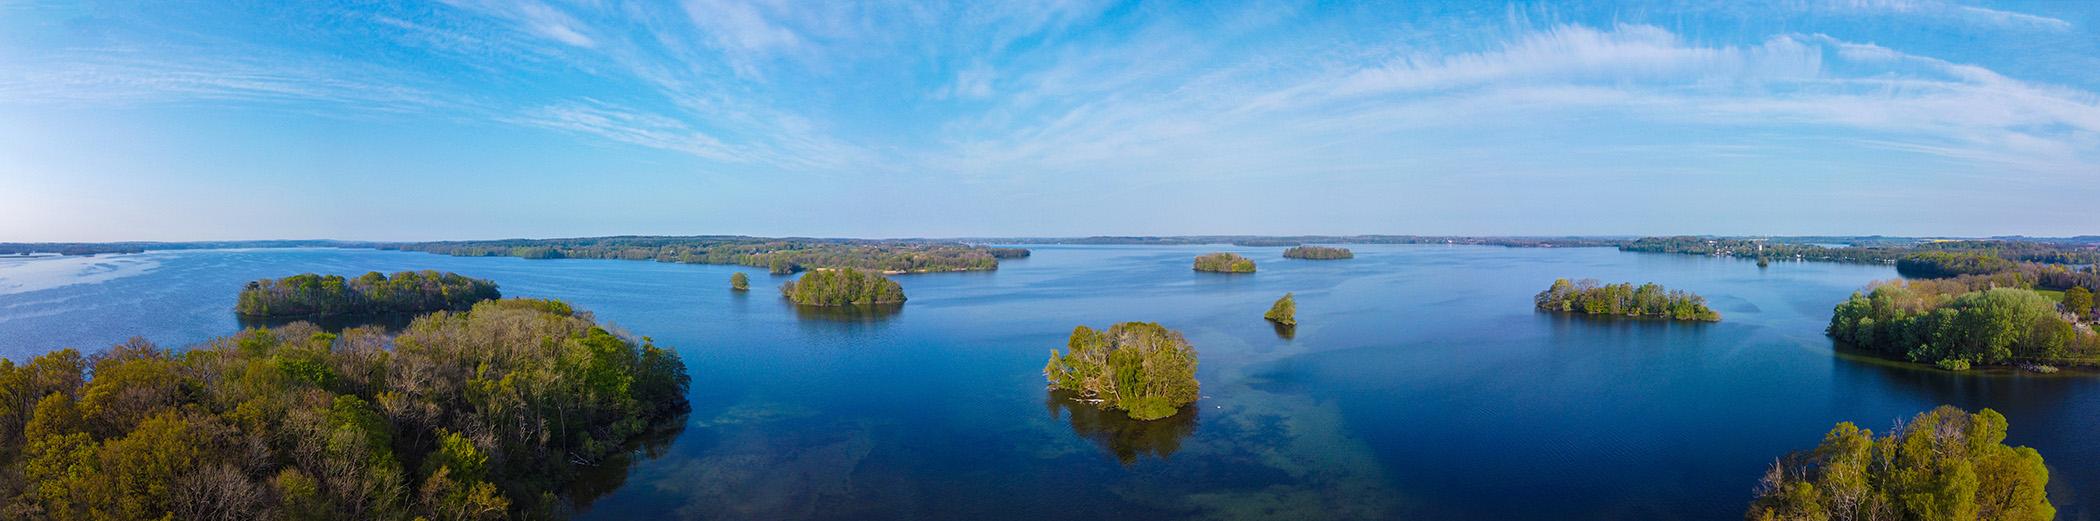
{"points": [[1420, 383]]}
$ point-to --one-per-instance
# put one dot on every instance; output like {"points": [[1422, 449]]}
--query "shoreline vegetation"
{"points": [[1318, 253], [1221, 262], [847, 287], [1141, 368], [1284, 311], [1588, 296], [779, 256], [489, 413], [1971, 320], [374, 293], [1942, 464]]}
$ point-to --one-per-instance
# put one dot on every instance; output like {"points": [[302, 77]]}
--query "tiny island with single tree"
{"points": [[1647, 300], [1142, 368], [371, 294], [846, 287], [739, 281], [1284, 311], [1222, 262], [1318, 253]]}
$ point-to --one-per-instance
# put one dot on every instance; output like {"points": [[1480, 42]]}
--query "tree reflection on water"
{"points": [[1116, 433]]}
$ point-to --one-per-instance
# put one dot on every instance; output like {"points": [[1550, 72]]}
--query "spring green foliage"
{"points": [[1318, 253], [740, 282], [1939, 264], [483, 414], [1935, 321], [1944, 464], [1143, 368], [1588, 296], [1284, 311], [780, 256], [842, 288], [2079, 302], [374, 293], [1224, 263]]}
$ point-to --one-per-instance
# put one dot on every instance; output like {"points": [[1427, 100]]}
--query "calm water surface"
{"points": [[1419, 385]]}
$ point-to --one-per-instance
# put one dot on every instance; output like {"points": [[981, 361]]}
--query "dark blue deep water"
{"points": [[1420, 385]]}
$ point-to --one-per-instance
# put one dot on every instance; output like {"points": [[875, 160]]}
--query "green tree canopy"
{"points": [[740, 282], [842, 288], [1284, 311], [1943, 464], [1222, 262], [1142, 368]]}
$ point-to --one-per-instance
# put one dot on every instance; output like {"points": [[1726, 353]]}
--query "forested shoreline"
{"points": [[1590, 296], [780, 256], [309, 294], [1960, 322], [476, 415]]}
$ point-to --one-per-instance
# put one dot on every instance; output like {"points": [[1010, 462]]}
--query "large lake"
{"points": [[1421, 384]]}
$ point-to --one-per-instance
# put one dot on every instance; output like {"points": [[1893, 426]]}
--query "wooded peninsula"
{"points": [[1649, 300], [1968, 320], [780, 256], [842, 288], [373, 293], [1318, 253], [1224, 263], [1142, 368], [478, 415]]}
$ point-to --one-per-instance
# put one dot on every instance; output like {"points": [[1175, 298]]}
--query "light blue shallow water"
{"points": [[1420, 384]]}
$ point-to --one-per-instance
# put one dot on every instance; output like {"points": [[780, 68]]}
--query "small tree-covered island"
{"points": [[1284, 311], [374, 293], [1224, 263], [479, 415], [1647, 300], [740, 282], [1141, 368], [1318, 253], [1942, 464], [846, 287]]}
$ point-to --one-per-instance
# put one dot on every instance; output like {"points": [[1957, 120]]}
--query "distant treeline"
{"points": [[1879, 251], [1589, 296], [1962, 321], [1945, 265], [1318, 253], [1295, 240], [780, 256], [373, 293], [842, 288], [485, 415], [1222, 262], [98, 248]]}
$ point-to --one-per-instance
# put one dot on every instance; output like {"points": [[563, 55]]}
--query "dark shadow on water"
{"points": [[1119, 435], [1284, 331], [594, 482], [392, 322], [857, 314]]}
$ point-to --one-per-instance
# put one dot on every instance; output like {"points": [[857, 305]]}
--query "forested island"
{"points": [[842, 288], [1142, 368], [1942, 464], [1648, 300], [1964, 321], [485, 414], [1224, 263], [1284, 311], [373, 293], [740, 282], [781, 256], [1318, 253]]}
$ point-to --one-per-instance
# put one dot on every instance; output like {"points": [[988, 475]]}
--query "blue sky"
{"points": [[465, 119]]}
